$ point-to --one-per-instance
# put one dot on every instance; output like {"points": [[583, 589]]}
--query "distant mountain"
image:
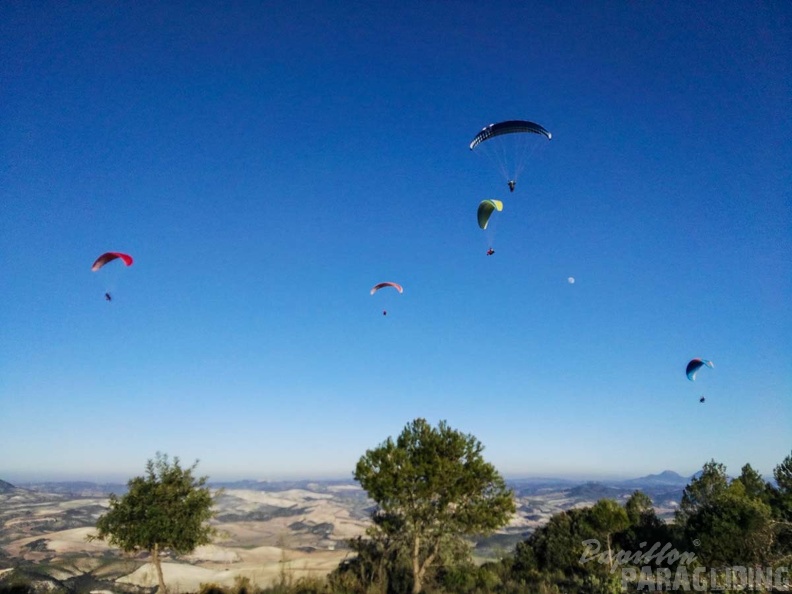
{"points": [[77, 488], [593, 491], [319, 485], [667, 478]]}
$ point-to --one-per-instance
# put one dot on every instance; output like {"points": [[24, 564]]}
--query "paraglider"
{"points": [[694, 365], [483, 214], [510, 153], [109, 257], [379, 286]]}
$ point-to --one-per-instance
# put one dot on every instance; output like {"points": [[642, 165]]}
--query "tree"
{"points": [[556, 547], [607, 518], [780, 497], [733, 529], [645, 527], [168, 509], [783, 475], [566, 553], [754, 484], [782, 492], [436, 488], [729, 523], [702, 490]]}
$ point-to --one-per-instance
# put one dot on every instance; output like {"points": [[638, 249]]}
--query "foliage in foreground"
{"points": [[433, 489], [167, 510], [742, 522], [721, 522]]}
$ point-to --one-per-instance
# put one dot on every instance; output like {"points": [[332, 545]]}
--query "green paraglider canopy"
{"points": [[485, 210]]}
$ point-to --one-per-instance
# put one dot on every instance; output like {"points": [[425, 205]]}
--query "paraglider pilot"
{"points": [[512, 183], [490, 252], [108, 297]]}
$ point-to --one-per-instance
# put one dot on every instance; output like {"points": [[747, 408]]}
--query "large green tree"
{"points": [[732, 530], [728, 522], [703, 490], [434, 485], [555, 547], [571, 552], [168, 509]]}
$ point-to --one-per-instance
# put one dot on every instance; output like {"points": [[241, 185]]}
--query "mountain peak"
{"points": [[670, 474], [6, 487], [665, 478]]}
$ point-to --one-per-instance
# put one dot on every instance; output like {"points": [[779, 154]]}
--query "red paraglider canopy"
{"points": [[109, 257]]}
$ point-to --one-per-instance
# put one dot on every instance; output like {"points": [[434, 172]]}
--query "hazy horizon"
{"points": [[115, 478]]}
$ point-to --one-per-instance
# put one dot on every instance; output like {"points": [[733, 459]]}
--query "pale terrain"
{"points": [[268, 532]]}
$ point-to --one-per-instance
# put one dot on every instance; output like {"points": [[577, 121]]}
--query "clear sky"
{"points": [[266, 163]]}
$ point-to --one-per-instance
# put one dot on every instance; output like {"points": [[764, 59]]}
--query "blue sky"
{"points": [[267, 163]]}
